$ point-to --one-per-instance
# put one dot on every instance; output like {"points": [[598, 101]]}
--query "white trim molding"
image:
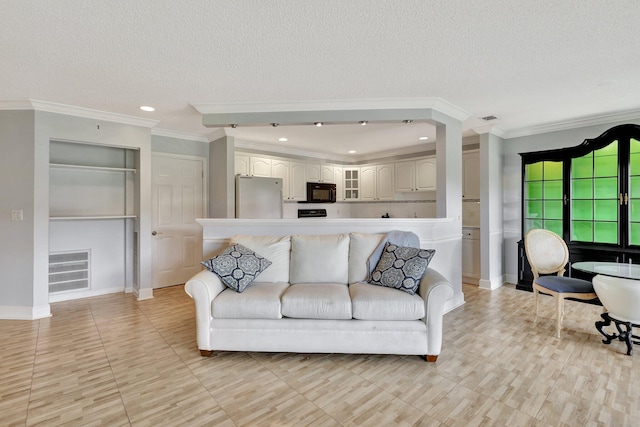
{"points": [[8, 312], [143, 294], [70, 110], [178, 135]]}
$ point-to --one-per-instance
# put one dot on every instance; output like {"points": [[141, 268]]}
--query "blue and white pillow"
{"points": [[401, 267], [237, 266]]}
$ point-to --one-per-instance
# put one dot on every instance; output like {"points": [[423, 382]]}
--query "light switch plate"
{"points": [[16, 215]]}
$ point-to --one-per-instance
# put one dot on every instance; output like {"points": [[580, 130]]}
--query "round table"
{"points": [[626, 289]]}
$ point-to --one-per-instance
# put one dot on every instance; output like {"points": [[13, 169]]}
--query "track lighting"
{"points": [[233, 125], [275, 125], [318, 124], [363, 122], [406, 122]]}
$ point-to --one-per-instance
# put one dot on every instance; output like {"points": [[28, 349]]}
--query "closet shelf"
{"points": [[67, 218], [98, 168]]}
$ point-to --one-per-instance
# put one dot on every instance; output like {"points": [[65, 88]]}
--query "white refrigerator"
{"points": [[258, 197]]}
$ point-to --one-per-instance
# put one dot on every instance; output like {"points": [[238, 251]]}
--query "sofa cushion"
{"points": [[361, 246], [372, 302], [319, 259], [401, 267], [258, 301], [237, 266], [276, 249], [317, 301]]}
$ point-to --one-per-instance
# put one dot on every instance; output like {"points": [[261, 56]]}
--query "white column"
{"points": [[491, 232]]}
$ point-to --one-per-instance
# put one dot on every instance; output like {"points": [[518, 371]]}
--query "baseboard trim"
{"points": [[454, 302], [68, 296], [9, 312], [143, 293], [491, 284]]}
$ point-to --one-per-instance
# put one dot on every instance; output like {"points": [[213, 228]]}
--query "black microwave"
{"points": [[320, 192]]}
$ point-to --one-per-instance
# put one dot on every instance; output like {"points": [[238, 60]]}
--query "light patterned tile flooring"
{"points": [[115, 361]]}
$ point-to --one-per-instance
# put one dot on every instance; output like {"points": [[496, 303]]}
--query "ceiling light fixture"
{"points": [[423, 138], [233, 125], [363, 122], [147, 108], [283, 139], [352, 151], [406, 122], [318, 124], [275, 125]]}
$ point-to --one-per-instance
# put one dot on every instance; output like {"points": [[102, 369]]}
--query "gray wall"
{"points": [[165, 144], [512, 179], [16, 188]]}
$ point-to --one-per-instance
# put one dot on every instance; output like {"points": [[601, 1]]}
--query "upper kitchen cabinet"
{"points": [[471, 175], [377, 182], [281, 169], [338, 179], [252, 165], [313, 173], [327, 174], [351, 183], [298, 181], [415, 175]]}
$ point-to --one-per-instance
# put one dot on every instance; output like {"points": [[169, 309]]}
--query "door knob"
{"points": [[154, 232]]}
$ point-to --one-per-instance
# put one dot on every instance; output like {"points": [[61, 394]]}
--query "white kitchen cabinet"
{"points": [[351, 183], [313, 173], [297, 181], [327, 174], [426, 174], [471, 254], [471, 175], [415, 175], [338, 179], [245, 164], [377, 182], [280, 169], [241, 165], [260, 166]]}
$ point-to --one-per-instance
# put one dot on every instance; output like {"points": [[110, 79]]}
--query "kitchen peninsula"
{"points": [[441, 234]]}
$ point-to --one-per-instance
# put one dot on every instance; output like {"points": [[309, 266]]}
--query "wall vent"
{"points": [[69, 271]]}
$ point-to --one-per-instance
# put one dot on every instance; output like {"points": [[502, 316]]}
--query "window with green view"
{"points": [[594, 196], [543, 196], [634, 192]]}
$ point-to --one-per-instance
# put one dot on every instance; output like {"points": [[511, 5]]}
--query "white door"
{"points": [[177, 200]]}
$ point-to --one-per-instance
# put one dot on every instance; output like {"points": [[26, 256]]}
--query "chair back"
{"points": [[621, 297], [546, 251]]}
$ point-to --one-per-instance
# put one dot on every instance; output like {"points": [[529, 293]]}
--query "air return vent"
{"points": [[68, 271]]}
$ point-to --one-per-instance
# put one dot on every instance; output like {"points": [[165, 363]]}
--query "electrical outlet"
{"points": [[16, 215]]}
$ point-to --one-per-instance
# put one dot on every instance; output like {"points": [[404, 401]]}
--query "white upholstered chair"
{"points": [[548, 254], [621, 299]]}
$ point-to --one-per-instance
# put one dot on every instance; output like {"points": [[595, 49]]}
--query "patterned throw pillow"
{"points": [[401, 267], [237, 266]]}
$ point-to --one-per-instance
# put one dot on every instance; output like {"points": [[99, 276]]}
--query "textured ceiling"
{"points": [[527, 62]]}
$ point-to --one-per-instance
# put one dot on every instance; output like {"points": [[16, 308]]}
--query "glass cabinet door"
{"points": [[595, 196], [632, 199], [543, 196]]}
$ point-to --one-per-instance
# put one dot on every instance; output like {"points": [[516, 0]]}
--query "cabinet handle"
{"points": [[626, 198], [565, 200], [620, 199]]}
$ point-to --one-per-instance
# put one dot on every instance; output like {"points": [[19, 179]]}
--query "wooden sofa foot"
{"points": [[430, 358], [206, 353]]}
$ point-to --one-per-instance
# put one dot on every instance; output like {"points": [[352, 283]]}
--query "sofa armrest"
{"points": [[203, 288], [435, 290]]}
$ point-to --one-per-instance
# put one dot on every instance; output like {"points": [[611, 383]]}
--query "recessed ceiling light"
{"points": [[352, 151], [318, 124], [406, 122], [283, 139], [275, 125], [147, 108], [423, 138], [233, 125], [363, 122]]}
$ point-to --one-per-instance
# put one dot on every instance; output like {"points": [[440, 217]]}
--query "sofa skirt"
{"points": [[319, 336]]}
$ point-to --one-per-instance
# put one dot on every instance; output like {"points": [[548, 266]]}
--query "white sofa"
{"points": [[314, 299]]}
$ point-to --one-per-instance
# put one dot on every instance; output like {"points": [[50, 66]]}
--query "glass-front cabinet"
{"points": [[589, 195]]}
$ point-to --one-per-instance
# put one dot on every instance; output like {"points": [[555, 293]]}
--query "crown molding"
{"points": [[179, 135], [217, 133], [599, 119], [70, 110], [268, 148], [491, 129], [434, 103]]}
